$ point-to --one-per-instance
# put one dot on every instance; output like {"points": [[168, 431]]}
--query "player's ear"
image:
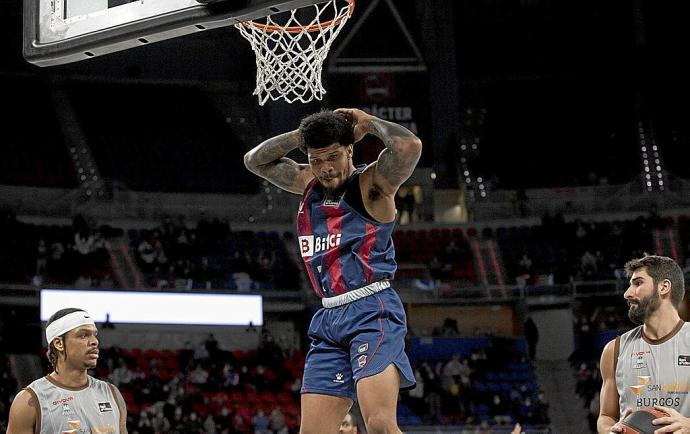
{"points": [[664, 287], [58, 343]]}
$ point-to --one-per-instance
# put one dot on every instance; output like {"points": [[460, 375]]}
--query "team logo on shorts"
{"points": [[362, 360], [362, 348], [338, 378], [104, 406]]}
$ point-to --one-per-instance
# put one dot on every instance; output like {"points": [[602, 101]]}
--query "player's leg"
{"points": [[323, 414], [327, 385], [378, 401], [379, 363]]}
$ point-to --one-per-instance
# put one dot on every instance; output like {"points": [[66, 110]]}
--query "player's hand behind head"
{"points": [[359, 120]]}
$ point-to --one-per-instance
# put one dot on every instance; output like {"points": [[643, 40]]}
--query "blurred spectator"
{"points": [[532, 337], [261, 423], [278, 422]]}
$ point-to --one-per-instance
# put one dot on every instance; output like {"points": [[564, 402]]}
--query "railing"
{"points": [[410, 292], [600, 199], [414, 291], [469, 429]]}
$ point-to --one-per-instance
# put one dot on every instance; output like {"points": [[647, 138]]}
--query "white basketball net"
{"points": [[290, 54]]}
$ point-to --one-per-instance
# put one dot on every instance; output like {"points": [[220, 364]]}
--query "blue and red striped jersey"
{"points": [[342, 248]]}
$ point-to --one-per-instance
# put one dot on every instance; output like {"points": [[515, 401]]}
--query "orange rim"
{"points": [[297, 29]]}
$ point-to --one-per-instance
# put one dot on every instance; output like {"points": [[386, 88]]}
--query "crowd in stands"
{"points": [[594, 325], [490, 383], [73, 254], [554, 252], [172, 255], [207, 389], [212, 255]]}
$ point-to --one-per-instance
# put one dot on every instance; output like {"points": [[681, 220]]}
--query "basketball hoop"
{"points": [[290, 48]]}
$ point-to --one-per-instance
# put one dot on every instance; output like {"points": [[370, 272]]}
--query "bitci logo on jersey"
{"points": [[309, 245]]}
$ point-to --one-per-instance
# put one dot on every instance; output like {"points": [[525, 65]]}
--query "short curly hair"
{"points": [[659, 269], [324, 128]]}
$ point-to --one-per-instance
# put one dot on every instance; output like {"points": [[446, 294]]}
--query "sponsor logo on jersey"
{"points": [[362, 348], [671, 401], [332, 203], [639, 363], [104, 406], [683, 360], [63, 400], [640, 353], [646, 386], [362, 360], [74, 426], [309, 245], [67, 411]]}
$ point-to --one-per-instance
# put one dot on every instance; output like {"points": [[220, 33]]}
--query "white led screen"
{"points": [[157, 307]]}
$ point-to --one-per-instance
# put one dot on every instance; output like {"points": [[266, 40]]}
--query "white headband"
{"points": [[66, 323]]}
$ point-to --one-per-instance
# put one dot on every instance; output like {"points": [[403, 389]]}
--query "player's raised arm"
{"points": [[395, 163], [269, 162]]}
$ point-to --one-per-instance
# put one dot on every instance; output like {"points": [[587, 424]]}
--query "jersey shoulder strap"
{"points": [[616, 350]]}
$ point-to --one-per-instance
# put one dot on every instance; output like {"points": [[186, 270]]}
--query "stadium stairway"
{"points": [[566, 412], [126, 270], [667, 243]]}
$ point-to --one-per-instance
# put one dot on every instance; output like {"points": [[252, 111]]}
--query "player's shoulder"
{"points": [[98, 383], [634, 333], [609, 348], [23, 396], [25, 399], [40, 383], [373, 185]]}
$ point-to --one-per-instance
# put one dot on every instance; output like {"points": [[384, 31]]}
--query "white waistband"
{"points": [[355, 294]]}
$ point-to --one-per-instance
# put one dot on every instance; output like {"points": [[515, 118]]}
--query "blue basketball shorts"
{"points": [[354, 341]]}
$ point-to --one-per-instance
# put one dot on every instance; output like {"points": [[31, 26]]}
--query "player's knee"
{"points": [[379, 423]]}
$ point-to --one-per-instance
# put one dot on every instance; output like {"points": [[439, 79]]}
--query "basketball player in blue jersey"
{"points": [[344, 224]]}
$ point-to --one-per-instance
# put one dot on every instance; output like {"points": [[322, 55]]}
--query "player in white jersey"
{"points": [[68, 400], [639, 368]]}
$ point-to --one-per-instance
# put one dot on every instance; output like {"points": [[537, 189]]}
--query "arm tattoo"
{"points": [[403, 149], [274, 148], [32, 402], [269, 162]]}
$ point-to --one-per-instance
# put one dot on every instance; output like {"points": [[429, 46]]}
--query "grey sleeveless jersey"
{"points": [[653, 373], [92, 409]]}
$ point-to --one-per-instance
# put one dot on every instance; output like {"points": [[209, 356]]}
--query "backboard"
{"points": [[64, 31]]}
